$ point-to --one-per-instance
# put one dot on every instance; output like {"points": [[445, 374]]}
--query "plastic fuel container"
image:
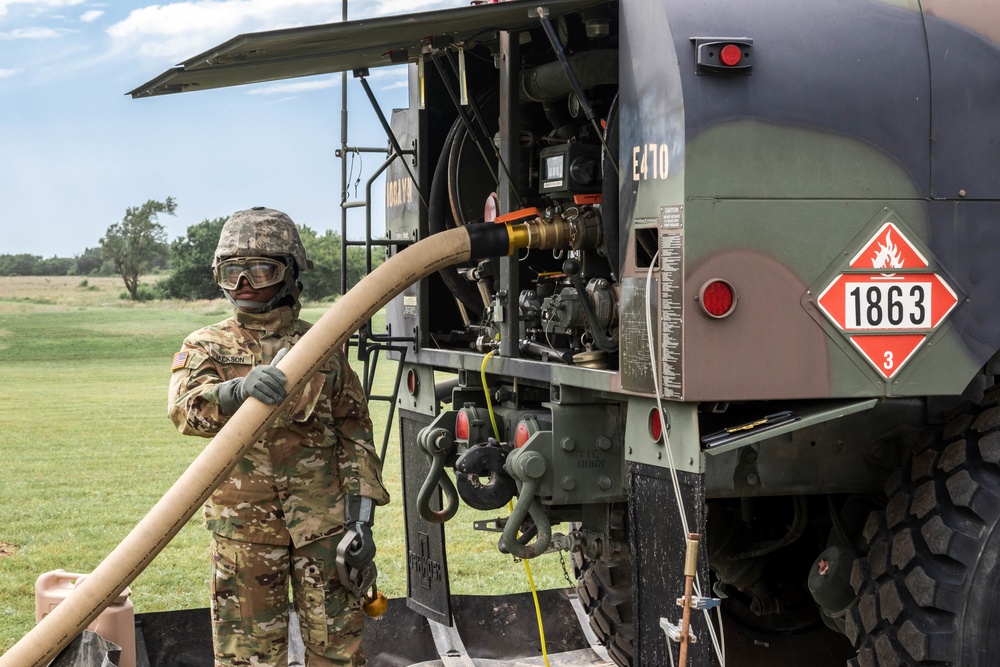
{"points": [[116, 623]]}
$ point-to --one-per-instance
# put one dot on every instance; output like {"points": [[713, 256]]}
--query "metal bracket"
{"points": [[700, 603], [490, 525], [673, 632]]}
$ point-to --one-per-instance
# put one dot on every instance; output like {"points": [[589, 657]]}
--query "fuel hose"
{"points": [[92, 595]]}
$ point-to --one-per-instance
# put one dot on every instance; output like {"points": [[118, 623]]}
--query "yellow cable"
{"points": [[486, 390], [538, 611], [510, 508]]}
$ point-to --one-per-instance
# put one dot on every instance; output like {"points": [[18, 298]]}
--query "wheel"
{"points": [[605, 590], [928, 589]]}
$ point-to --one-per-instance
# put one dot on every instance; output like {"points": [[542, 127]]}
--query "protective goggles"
{"points": [[259, 272]]}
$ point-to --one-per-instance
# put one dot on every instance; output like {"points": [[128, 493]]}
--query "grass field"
{"points": [[86, 449]]}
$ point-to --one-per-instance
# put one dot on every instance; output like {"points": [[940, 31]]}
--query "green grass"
{"points": [[87, 450]]}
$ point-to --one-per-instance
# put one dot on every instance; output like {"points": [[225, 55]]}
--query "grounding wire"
{"points": [[719, 651], [510, 508]]}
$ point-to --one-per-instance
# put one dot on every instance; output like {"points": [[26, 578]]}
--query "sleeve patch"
{"points": [[180, 361]]}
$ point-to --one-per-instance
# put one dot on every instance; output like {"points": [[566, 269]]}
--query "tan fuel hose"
{"points": [[210, 468]]}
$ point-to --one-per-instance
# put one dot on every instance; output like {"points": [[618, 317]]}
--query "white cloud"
{"points": [[295, 86], [91, 15], [180, 30], [33, 33], [392, 7], [4, 73], [37, 4]]}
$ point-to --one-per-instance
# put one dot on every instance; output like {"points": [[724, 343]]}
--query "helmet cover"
{"points": [[259, 232]]}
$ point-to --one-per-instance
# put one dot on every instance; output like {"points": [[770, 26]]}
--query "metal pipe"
{"points": [[388, 130], [690, 572]]}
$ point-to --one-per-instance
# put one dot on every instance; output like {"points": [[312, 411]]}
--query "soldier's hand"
{"points": [[266, 383]]}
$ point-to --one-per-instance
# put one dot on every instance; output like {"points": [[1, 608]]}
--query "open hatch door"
{"points": [[346, 46]]}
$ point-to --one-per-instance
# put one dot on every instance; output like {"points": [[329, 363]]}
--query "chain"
{"points": [[562, 561]]}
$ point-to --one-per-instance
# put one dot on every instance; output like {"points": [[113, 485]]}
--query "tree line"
{"points": [[137, 245]]}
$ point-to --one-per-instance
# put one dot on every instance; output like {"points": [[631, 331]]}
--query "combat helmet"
{"points": [[264, 232]]}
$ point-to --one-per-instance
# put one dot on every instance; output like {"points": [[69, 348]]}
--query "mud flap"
{"points": [[658, 547], [427, 589]]}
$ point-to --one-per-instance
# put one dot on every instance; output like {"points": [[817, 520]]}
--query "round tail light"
{"points": [[717, 298]]}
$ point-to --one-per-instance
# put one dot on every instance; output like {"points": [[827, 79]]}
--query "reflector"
{"points": [[655, 425], [462, 426], [730, 55], [521, 434]]}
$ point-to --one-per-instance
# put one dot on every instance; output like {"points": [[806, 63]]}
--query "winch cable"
{"points": [[213, 465], [675, 481], [510, 508]]}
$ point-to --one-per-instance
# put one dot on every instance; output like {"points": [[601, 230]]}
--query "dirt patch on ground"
{"points": [[7, 549]]}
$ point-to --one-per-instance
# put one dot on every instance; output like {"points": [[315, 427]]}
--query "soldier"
{"points": [[315, 474]]}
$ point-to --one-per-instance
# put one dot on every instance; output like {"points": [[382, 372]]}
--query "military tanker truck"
{"points": [[775, 328]]}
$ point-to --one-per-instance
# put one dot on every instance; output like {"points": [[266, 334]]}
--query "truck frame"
{"points": [[773, 343]]}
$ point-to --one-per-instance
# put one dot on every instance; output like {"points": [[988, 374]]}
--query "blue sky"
{"points": [[75, 151]]}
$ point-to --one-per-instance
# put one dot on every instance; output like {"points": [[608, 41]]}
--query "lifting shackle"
{"points": [[438, 444], [527, 468]]}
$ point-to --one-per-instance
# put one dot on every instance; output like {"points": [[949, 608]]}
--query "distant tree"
{"points": [[191, 261], [55, 266], [137, 241], [19, 265], [89, 262], [324, 279], [324, 251], [356, 266]]}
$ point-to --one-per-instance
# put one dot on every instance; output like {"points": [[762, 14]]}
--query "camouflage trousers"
{"points": [[250, 605]]}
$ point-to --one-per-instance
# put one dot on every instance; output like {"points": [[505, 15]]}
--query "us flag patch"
{"points": [[179, 360]]}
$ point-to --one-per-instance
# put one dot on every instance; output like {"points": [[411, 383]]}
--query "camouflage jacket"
{"points": [[292, 483]]}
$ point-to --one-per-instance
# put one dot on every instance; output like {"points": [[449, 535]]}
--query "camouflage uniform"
{"points": [[281, 512]]}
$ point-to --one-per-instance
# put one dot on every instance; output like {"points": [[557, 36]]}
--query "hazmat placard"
{"points": [[888, 300]]}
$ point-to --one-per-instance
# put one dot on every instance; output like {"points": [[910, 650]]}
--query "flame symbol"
{"points": [[888, 255]]}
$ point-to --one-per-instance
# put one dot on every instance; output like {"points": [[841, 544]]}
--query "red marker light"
{"points": [[655, 425], [462, 426], [521, 434], [412, 382], [717, 298], [731, 55]]}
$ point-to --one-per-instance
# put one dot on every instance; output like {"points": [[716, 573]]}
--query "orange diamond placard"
{"points": [[888, 301]]}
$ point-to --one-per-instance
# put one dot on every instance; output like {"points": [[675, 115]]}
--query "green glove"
{"points": [[266, 383]]}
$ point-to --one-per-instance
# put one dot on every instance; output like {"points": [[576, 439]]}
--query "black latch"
{"points": [[723, 55]]}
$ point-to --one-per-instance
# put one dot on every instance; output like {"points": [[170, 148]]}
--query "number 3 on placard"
{"points": [[888, 360]]}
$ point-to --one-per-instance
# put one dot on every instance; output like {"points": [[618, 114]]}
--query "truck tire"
{"points": [[605, 590], [928, 587]]}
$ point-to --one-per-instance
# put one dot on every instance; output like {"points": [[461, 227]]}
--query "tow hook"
{"points": [[479, 462]]}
